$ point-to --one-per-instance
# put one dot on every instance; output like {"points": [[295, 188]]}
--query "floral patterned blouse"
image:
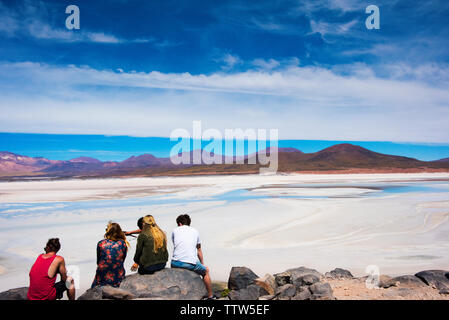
{"points": [[110, 258]]}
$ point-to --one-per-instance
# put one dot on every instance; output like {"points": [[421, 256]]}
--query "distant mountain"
{"points": [[85, 160], [11, 163], [337, 157]]}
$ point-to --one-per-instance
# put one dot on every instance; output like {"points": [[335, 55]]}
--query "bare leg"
{"points": [[71, 293], [208, 283], [71, 290]]}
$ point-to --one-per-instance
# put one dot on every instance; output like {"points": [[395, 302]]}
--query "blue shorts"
{"points": [[197, 268]]}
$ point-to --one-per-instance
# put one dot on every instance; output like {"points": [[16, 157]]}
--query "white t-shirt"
{"points": [[185, 239]]}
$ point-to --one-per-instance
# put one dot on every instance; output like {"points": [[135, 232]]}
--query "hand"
{"points": [[134, 267]]}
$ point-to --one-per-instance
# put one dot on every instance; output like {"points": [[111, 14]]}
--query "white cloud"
{"points": [[230, 61], [266, 64], [302, 102], [326, 28], [31, 23]]}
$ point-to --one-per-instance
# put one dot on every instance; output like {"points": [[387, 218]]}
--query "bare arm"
{"points": [[62, 270], [200, 253], [128, 233]]}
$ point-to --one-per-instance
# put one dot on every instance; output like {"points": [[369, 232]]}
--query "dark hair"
{"points": [[52, 245], [183, 219], [140, 223]]}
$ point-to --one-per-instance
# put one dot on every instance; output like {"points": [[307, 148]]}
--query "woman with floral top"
{"points": [[111, 253]]}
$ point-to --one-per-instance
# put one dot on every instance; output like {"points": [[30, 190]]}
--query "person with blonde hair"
{"points": [[111, 254], [151, 251]]}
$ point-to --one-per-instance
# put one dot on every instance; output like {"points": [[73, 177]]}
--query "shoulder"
{"points": [[102, 243], [193, 230], [59, 259]]}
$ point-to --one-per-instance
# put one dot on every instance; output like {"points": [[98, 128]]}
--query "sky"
{"points": [[119, 148], [309, 68]]}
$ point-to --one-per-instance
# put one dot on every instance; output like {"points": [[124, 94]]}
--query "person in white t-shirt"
{"points": [[187, 252]]}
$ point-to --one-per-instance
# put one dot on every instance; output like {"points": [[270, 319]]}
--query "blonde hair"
{"points": [[114, 232], [159, 238]]}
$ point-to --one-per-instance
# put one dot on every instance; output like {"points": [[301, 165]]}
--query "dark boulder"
{"points": [[295, 275], [339, 273], [95, 293], [282, 278], [285, 292], [167, 284], [321, 291], [305, 280], [408, 281], [435, 278], [241, 277], [116, 294], [14, 294], [251, 292], [303, 293]]}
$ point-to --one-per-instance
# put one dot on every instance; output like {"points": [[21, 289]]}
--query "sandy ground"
{"points": [[356, 289], [400, 233]]}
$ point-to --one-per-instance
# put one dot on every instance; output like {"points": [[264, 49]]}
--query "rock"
{"points": [[286, 292], [292, 275], [305, 280], [15, 294], [436, 278], [241, 277], [303, 293], [444, 291], [268, 283], [266, 297], [95, 293], [339, 273], [168, 284], [408, 281], [282, 278], [116, 293], [252, 292], [321, 291]]}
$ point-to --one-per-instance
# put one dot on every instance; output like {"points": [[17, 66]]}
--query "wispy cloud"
{"points": [[33, 24], [306, 102]]}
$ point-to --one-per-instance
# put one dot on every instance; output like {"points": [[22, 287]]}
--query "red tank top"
{"points": [[41, 285]]}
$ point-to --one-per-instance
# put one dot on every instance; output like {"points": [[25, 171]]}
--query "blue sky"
{"points": [[118, 148], [308, 68]]}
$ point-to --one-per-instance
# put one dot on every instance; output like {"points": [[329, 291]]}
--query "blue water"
{"points": [[11, 210]]}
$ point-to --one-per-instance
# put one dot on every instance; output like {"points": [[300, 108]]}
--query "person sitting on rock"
{"points": [[137, 231], [111, 254], [187, 252], [43, 275], [151, 251]]}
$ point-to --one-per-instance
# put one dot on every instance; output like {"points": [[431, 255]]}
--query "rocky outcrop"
{"points": [[339, 273], [106, 293], [241, 277], [407, 281], [436, 278], [168, 284], [294, 284], [243, 284], [268, 283], [14, 294]]}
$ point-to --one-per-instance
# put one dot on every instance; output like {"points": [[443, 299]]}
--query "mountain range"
{"points": [[335, 158]]}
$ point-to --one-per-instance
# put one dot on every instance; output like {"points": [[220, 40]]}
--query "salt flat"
{"points": [[398, 222]]}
